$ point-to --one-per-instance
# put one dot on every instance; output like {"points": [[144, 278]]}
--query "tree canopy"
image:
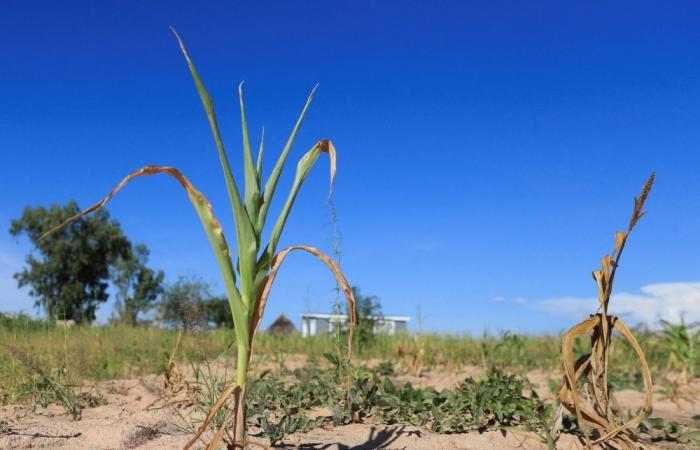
{"points": [[69, 271], [69, 276], [137, 286], [188, 303], [368, 309]]}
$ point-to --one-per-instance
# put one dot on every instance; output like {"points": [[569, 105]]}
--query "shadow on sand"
{"points": [[377, 439]]}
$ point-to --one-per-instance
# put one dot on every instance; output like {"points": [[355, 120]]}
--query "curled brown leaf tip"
{"points": [[261, 302], [326, 146]]}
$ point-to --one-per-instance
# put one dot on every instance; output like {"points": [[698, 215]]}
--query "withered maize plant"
{"points": [[248, 282], [585, 391]]}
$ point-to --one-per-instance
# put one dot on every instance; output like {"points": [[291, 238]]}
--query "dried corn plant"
{"points": [[585, 391], [413, 355], [172, 379], [249, 280]]}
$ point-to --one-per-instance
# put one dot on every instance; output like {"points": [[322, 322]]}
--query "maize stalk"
{"points": [[247, 283]]}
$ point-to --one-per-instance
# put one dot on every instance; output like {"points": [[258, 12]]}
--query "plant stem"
{"points": [[239, 427], [240, 406]]}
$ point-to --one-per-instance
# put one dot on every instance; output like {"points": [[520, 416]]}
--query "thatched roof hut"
{"points": [[282, 325]]}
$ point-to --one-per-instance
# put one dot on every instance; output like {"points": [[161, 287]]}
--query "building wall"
{"points": [[315, 326], [322, 326]]}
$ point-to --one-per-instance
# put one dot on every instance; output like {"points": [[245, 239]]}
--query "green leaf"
{"points": [[245, 235], [252, 194], [692, 435], [258, 168], [389, 387], [271, 184], [304, 166], [333, 359], [436, 413], [655, 423]]}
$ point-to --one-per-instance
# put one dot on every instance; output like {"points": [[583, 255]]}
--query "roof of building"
{"points": [[282, 325]]}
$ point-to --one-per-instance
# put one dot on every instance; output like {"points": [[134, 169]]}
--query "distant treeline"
{"points": [[70, 271]]}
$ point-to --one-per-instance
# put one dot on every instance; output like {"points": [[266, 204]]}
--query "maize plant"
{"points": [[681, 341], [586, 392], [248, 282]]}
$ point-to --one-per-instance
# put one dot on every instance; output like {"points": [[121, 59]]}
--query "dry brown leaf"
{"points": [[197, 198], [575, 371], [327, 146], [259, 307], [620, 237], [172, 377], [234, 390]]}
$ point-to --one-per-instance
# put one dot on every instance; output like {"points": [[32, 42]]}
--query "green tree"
{"points": [[70, 276], [218, 312], [138, 287], [368, 309], [188, 303], [183, 303]]}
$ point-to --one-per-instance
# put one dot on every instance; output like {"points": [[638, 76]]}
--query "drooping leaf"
{"points": [[259, 307], [211, 225]]}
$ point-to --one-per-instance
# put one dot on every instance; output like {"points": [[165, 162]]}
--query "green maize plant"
{"points": [[681, 342], [248, 282]]}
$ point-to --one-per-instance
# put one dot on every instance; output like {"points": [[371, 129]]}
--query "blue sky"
{"points": [[487, 151]]}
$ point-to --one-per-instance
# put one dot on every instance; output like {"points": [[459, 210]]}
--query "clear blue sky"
{"points": [[487, 151]]}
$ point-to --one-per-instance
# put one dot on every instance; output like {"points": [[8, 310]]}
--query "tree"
{"points": [[70, 278], [189, 303], [138, 287], [218, 312], [183, 303], [368, 308]]}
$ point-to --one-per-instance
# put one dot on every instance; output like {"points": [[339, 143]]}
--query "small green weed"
{"points": [[658, 429], [4, 427], [495, 401], [48, 387], [205, 389]]}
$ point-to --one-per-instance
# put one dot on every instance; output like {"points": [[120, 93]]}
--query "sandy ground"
{"points": [[135, 416]]}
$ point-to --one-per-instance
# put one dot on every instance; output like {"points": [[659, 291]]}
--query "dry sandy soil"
{"points": [[135, 416]]}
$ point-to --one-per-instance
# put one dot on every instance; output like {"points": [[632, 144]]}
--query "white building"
{"points": [[314, 324]]}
